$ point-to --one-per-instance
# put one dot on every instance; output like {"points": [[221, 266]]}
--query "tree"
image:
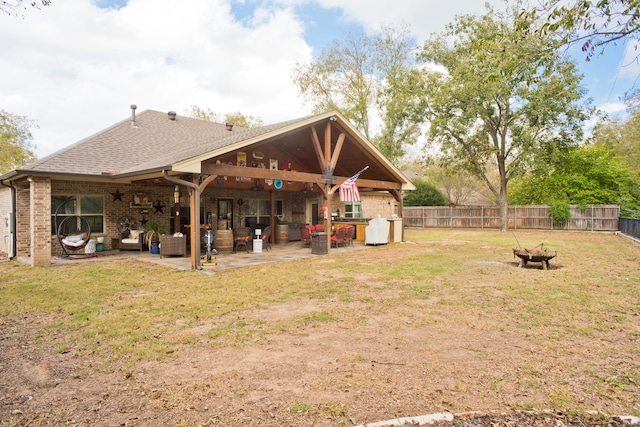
{"points": [[16, 146], [237, 118], [582, 175], [425, 194], [13, 7], [458, 185], [358, 77], [592, 23], [622, 137], [495, 94]]}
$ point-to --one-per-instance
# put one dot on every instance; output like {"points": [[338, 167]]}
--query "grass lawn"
{"points": [[443, 322]]}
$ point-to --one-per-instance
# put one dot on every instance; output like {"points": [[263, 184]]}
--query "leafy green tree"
{"points": [[242, 120], [425, 194], [457, 185], [493, 93], [237, 118], [622, 136], [582, 175], [592, 23], [14, 7], [16, 141], [359, 76]]}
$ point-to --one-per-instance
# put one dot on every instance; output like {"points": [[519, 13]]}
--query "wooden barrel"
{"points": [[222, 224], [223, 240], [282, 233]]}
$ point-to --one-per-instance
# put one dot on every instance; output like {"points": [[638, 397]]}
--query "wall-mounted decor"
{"points": [[117, 195], [289, 166], [273, 164], [257, 154], [241, 158], [140, 200], [159, 206]]}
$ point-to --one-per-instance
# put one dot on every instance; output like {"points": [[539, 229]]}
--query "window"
{"points": [[256, 211], [90, 207], [353, 210]]}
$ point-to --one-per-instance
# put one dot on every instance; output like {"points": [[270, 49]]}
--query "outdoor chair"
{"points": [[338, 237], [132, 240], [266, 238], [241, 238], [305, 235], [173, 245], [73, 232], [349, 235], [130, 237]]}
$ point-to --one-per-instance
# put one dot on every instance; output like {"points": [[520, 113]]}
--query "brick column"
{"points": [[40, 214], [23, 220]]}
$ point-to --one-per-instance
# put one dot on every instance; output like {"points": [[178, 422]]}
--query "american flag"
{"points": [[349, 189]]}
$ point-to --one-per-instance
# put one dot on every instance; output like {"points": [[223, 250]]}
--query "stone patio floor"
{"points": [[281, 252]]}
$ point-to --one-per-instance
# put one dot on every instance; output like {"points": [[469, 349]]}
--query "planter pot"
{"points": [[154, 248]]}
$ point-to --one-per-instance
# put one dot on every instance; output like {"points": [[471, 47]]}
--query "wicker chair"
{"points": [[130, 243], [241, 238], [266, 238], [173, 245], [131, 239]]}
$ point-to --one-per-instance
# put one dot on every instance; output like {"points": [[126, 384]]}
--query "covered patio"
{"points": [[189, 175]]}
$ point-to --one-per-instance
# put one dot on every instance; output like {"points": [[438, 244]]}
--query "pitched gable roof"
{"points": [[155, 142], [126, 145]]}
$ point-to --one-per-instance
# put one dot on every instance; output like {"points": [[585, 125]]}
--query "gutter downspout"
{"points": [[194, 193], [12, 235]]}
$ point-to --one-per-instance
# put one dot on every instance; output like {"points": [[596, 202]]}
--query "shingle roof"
{"points": [[153, 142]]}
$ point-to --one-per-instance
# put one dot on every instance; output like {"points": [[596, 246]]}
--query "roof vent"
{"points": [[133, 114], [172, 115], [229, 126]]}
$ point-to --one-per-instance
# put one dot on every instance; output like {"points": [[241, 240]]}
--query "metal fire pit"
{"points": [[538, 254]]}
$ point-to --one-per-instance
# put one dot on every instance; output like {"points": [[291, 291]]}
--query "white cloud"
{"points": [[424, 16], [76, 68]]}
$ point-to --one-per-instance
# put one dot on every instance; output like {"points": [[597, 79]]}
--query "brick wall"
{"points": [[33, 201], [116, 209]]}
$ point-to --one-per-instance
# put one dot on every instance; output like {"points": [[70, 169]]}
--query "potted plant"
{"points": [[152, 233]]}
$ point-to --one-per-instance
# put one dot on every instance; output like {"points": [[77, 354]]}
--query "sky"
{"points": [[75, 67]]}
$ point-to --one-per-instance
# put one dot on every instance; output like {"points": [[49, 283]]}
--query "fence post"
{"points": [[482, 217]]}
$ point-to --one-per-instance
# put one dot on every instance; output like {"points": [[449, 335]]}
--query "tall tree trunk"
{"points": [[504, 210], [502, 197]]}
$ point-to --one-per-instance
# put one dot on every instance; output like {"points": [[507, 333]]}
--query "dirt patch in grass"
{"points": [[410, 329]]}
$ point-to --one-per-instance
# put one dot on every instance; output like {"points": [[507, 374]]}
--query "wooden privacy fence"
{"points": [[594, 218]]}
